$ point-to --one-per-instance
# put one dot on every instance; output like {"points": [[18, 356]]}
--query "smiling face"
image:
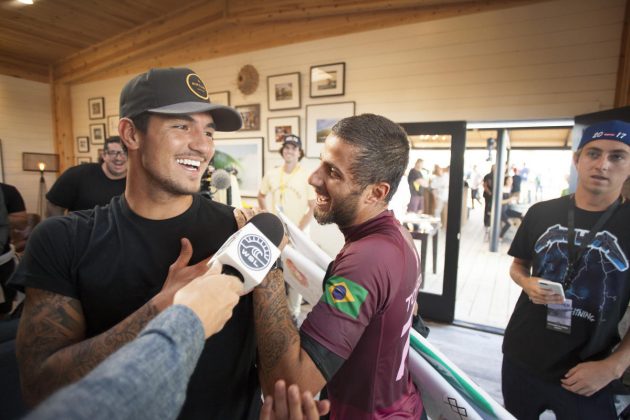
{"points": [[114, 161], [602, 166], [290, 154], [176, 150], [338, 195]]}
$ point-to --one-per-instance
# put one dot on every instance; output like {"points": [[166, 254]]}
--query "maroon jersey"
{"points": [[358, 333]]}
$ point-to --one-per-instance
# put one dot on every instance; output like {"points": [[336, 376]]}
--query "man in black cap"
{"points": [[558, 346], [95, 278], [290, 193]]}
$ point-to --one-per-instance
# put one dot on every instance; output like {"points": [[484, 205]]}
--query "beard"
{"points": [[342, 214]]}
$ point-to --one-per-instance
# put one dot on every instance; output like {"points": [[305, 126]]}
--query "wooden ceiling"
{"points": [[73, 41]]}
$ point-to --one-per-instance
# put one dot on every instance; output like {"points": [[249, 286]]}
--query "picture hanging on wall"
{"points": [[246, 157], [328, 80], [83, 144], [278, 127], [250, 115], [96, 108], [112, 125], [97, 133], [319, 122], [220, 98], [283, 91]]}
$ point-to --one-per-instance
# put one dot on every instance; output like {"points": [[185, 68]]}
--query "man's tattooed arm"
{"points": [[279, 351], [51, 347]]}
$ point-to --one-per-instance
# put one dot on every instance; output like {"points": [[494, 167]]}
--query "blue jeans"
{"points": [[526, 396]]}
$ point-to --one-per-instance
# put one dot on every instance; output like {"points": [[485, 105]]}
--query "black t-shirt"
{"points": [[488, 180], [411, 178], [83, 187], [114, 261], [599, 293], [516, 183], [14, 203]]}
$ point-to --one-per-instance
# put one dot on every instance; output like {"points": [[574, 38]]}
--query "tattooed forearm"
{"points": [[276, 335], [51, 346]]}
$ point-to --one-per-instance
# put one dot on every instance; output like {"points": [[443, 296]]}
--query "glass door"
{"points": [[434, 216]]}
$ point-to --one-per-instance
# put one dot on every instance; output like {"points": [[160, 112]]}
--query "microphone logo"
{"points": [[254, 252]]}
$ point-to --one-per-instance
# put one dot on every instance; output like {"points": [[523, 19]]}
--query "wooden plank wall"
{"points": [[25, 126]]}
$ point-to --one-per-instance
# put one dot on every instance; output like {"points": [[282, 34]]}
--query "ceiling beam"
{"points": [[217, 28]]}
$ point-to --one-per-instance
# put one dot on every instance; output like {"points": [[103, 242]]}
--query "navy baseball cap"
{"points": [[292, 139], [174, 91], [608, 130]]}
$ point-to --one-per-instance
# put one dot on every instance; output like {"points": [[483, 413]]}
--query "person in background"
{"points": [[416, 183], [95, 278], [356, 339], [507, 209], [474, 182], [85, 186], [516, 184], [488, 180], [439, 187], [560, 353], [12, 213], [290, 192]]}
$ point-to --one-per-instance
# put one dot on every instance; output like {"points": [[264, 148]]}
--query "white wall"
{"points": [[25, 126]]}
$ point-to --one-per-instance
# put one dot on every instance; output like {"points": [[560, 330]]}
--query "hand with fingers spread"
{"points": [[179, 275], [212, 296], [288, 404]]}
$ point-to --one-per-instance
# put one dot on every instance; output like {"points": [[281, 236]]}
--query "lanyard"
{"points": [[576, 254], [283, 184]]}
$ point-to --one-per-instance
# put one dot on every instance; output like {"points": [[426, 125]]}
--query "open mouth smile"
{"points": [[189, 164]]}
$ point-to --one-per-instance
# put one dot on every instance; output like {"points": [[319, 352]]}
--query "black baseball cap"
{"points": [[292, 139], [174, 91]]}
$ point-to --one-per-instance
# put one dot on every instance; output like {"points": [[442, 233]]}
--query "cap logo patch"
{"points": [[196, 86]]}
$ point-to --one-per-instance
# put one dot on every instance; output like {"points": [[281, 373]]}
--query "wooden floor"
{"points": [[485, 293]]}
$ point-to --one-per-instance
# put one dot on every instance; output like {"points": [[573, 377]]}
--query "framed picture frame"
{"points": [[96, 108], [278, 127], [83, 159], [32, 161], [328, 80], [250, 115], [245, 155], [97, 133], [221, 98], [319, 122], [83, 144], [284, 91], [112, 125]]}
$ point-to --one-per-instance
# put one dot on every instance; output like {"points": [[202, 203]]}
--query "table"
{"points": [[422, 227]]}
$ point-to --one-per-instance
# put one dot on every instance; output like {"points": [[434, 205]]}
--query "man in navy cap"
{"points": [[558, 350], [95, 278]]}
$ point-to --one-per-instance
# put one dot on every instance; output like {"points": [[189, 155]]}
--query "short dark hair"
{"points": [[301, 152], [382, 149], [114, 139], [141, 122]]}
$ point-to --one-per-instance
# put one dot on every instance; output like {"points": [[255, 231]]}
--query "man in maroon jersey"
{"points": [[356, 339]]}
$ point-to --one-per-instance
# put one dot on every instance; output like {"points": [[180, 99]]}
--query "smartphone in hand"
{"points": [[552, 286]]}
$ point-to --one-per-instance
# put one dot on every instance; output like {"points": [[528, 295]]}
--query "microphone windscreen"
{"points": [[270, 226], [220, 179]]}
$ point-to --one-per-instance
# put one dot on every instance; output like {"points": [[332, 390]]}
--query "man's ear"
{"points": [[576, 156], [377, 192], [128, 133]]}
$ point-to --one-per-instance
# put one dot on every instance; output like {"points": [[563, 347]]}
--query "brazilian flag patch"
{"points": [[345, 295]]}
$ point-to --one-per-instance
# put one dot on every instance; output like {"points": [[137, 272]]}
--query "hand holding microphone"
{"points": [[251, 252]]}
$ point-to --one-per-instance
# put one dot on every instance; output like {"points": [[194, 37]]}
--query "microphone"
{"points": [[220, 179], [249, 253]]}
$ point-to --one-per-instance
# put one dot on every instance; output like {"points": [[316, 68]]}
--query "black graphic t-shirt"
{"points": [[599, 291]]}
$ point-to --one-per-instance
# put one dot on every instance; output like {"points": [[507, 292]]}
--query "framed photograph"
{"points": [[96, 108], [83, 159], [221, 98], [328, 80], [320, 120], [250, 115], [283, 91], [83, 144], [112, 125], [97, 133], [278, 127], [246, 157]]}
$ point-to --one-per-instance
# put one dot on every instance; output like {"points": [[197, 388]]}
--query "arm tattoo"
{"points": [[275, 332], [52, 350]]}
